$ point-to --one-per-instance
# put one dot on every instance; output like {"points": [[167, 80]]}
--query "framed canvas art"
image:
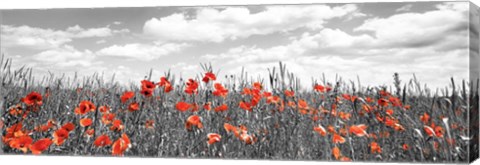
{"points": [[360, 82]]}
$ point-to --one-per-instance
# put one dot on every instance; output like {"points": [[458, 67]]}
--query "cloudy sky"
{"points": [[371, 40]]}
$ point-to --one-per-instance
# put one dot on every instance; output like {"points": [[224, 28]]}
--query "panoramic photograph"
{"points": [[361, 82]]}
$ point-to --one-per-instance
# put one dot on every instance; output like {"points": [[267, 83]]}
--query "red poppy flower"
{"points": [[102, 141], [395, 101], [104, 109], [117, 125], [358, 130], [126, 96], [291, 104], [375, 148], [266, 94], [15, 128], [33, 98], [257, 86], [167, 86], [13, 132], [389, 121], [191, 86], [133, 107], [163, 81], [108, 118], [60, 136], [248, 139], [68, 127], [16, 110], [331, 129], [121, 145], [149, 124], [89, 132], [182, 106], [289, 93], [336, 153], [439, 131], [221, 108], [368, 99], [384, 93], [209, 76], [302, 104], [344, 115], [338, 139], [220, 90], [405, 147], [345, 159], [394, 123], [193, 120], [46, 127], [207, 106], [245, 106], [321, 88], [383, 102], [21, 143], [254, 101], [349, 97], [246, 91], [389, 112], [273, 99], [148, 85], [40, 145], [425, 118], [84, 107], [320, 130], [213, 138], [230, 128], [243, 128], [85, 122], [146, 92]]}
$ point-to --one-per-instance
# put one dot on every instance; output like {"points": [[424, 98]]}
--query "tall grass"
{"points": [[286, 135]]}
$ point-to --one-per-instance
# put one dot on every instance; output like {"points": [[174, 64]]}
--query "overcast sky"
{"points": [[371, 40]]}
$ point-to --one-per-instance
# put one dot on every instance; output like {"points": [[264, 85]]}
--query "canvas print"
{"points": [[361, 82]]}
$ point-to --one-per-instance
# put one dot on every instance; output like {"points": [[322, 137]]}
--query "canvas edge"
{"points": [[473, 69], [474, 74], [2, 108]]}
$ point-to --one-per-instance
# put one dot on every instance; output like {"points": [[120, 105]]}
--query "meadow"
{"points": [[240, 117]]}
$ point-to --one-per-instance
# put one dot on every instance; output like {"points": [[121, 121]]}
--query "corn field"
{"points": [[238, 118]]}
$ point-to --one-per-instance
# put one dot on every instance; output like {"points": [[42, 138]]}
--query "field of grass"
{"points": [[238, 118]]}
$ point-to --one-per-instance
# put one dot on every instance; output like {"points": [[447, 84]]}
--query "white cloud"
{"points": [[79, 32], [143, 52], [327, 41], [68, 61], [32, 37], [100, 41], [405, 8], [433, 45], [214, 25], [121, 31], [62, 61], [124, 75], [43, 39], [419, 29], [183, 69], [64, 57]]}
